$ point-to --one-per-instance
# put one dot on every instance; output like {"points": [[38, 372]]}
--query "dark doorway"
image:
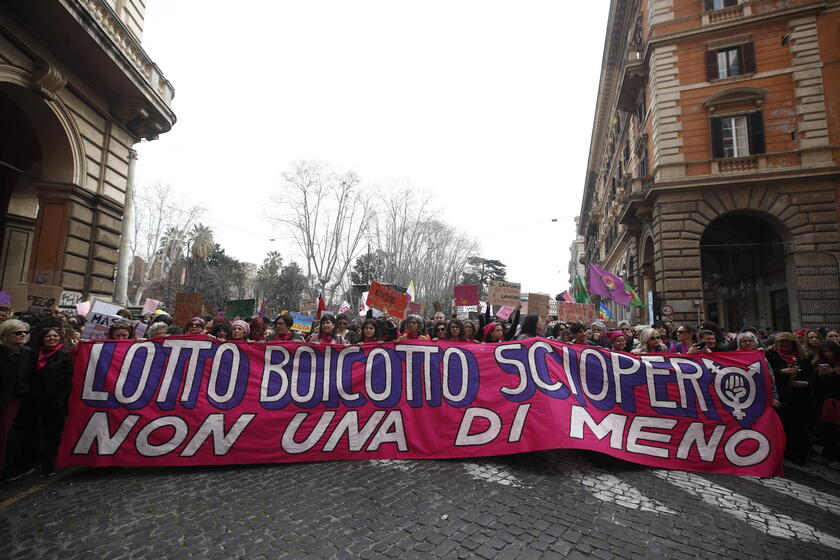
{"points": [[744, 274]]}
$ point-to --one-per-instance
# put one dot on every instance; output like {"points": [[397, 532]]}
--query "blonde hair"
{"points": [[9, 326]]}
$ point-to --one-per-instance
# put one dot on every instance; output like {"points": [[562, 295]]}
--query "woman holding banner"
{"points": [[370, 332], [649, 341], [122, 330], [51, 389], [455, 330], [413, 329], [325, 333], [439, 331], [240, 330], [17, 362], [470, 330]]}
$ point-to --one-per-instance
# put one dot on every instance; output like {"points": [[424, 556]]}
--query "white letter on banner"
{"points": [[374, 396], [613, 424], [215, 425], [126, 367], [274, 369], [464, 438], [694, 374], [339, 378], [178, 436], [567, 369], [172, 362], [584, 374], [637, 432], [464, 375], [618, 371], [696, 435], [427, 352], [754, 458], [214, 373], [350, 423], [532, 352], [313, 372], [518, 423], [326, 385], [97, 430], [88, 392], [385, 435], [288, 442], [651, 373], [520, 367]]}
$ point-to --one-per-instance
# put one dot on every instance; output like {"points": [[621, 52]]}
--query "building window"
{"points": [[738, 135], [731, 61], [718, 4]]}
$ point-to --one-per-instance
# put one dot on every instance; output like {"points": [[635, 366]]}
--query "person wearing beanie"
{"points": [[617, 340], [196, 325], [239, 330]]}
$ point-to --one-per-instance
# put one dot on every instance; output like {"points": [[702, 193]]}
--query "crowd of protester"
{"points": [[37, 351]]}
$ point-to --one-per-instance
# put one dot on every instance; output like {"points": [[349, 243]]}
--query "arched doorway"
{"points": [[34, 150], [744, 267]]}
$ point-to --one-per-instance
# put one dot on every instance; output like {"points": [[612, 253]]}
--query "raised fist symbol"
{"points": [[734, 388]]}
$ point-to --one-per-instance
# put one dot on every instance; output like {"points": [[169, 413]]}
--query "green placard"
{"points": [[240, 308]]}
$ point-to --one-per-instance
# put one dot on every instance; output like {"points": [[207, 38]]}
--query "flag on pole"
{"points": [[261, 312], [344, 307], [604, 312], [322, 306], [410, 291], [565, 297], [635, 300], [608, 285], [581, 295]]}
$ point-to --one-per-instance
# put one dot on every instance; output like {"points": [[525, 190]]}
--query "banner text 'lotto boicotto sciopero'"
{"points": [[187, 400]]}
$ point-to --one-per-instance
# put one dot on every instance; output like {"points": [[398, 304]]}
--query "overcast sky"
{"points": [[485, 105]]}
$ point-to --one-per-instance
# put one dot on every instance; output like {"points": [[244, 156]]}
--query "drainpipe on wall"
{"points": [[121, 286]]}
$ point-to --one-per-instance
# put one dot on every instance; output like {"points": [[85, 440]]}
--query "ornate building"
{"points": [[714, 166], [77, 91]]}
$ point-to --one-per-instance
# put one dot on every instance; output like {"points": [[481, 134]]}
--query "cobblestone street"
{"points": [[541, 505]]}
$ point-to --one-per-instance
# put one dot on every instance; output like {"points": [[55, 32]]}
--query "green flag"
{"points": [[635, 300], [580, 295]]}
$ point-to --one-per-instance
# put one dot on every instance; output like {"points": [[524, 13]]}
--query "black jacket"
{"points": [[51, 383], [16, 369]]}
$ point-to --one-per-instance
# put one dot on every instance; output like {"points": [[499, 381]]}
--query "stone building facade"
{"points": [[77, 91], [713, 176]]}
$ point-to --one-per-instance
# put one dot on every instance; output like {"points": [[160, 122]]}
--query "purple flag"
{"points": [[608, 285]]}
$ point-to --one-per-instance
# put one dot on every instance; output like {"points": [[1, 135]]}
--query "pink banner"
{"points": [[188, 400]]}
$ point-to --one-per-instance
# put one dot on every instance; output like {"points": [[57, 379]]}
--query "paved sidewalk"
{"points": [[561, 504]]}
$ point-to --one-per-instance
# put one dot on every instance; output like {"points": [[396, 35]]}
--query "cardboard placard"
{"points": [[308, 305], [503, 293], [150, 305], [37, 297], [576, 312], [415, 308], [239, 308], [187, 306], [70, 299], [504, 312], [538, 303], [466, 294], [387, 300], [98, 324], [302, 323]]}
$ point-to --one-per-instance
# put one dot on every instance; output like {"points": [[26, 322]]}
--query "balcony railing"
{"points": [[745, 164], [726, 14]]}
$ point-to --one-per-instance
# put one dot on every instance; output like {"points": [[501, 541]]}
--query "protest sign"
{"points": [[552, 307], [576, 312], [415, 308], [150, 306], [226, 403], [504, 312], [344, 307], [38, 297], [240, 308], [308, 305], [83, 308], [302, 323], [6, 299], [387, 300], [466, 294], [104, 307], [98, 324], [538, 304], [187, 306], [70, 298], [503, 293]]}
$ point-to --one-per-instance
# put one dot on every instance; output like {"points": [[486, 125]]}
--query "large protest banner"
{"points": [[189, 400]]}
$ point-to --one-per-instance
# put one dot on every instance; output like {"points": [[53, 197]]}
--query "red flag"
{"points": [[321, 307]]}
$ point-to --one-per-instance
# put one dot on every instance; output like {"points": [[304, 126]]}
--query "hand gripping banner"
{"points": [[187, 400]]}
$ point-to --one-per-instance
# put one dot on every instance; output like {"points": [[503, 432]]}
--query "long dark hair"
{"points": [[38, 340], [377, 331], [456, 323]]}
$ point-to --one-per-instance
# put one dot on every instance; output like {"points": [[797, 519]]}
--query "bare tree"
{"points": [[328, 216], [162, 235]]}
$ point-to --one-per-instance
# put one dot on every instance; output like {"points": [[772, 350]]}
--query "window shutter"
{"points": [[709, 5], [756, 124], [748, 58], [717, 137], [729, 3], [711, 65]]}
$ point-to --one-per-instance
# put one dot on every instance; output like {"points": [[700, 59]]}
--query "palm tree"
{"points": [[202, 242]]}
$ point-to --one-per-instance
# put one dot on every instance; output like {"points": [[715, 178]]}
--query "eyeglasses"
{"points": [[196, 325], [18, 333], [656, 338], [441, 329]]}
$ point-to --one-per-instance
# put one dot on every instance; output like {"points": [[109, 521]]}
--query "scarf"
{"points": [[44, 355], [789, 359]]}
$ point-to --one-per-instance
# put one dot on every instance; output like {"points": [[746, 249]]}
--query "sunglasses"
{"points": [[441, 328], [196, 325], [18, 333]]}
